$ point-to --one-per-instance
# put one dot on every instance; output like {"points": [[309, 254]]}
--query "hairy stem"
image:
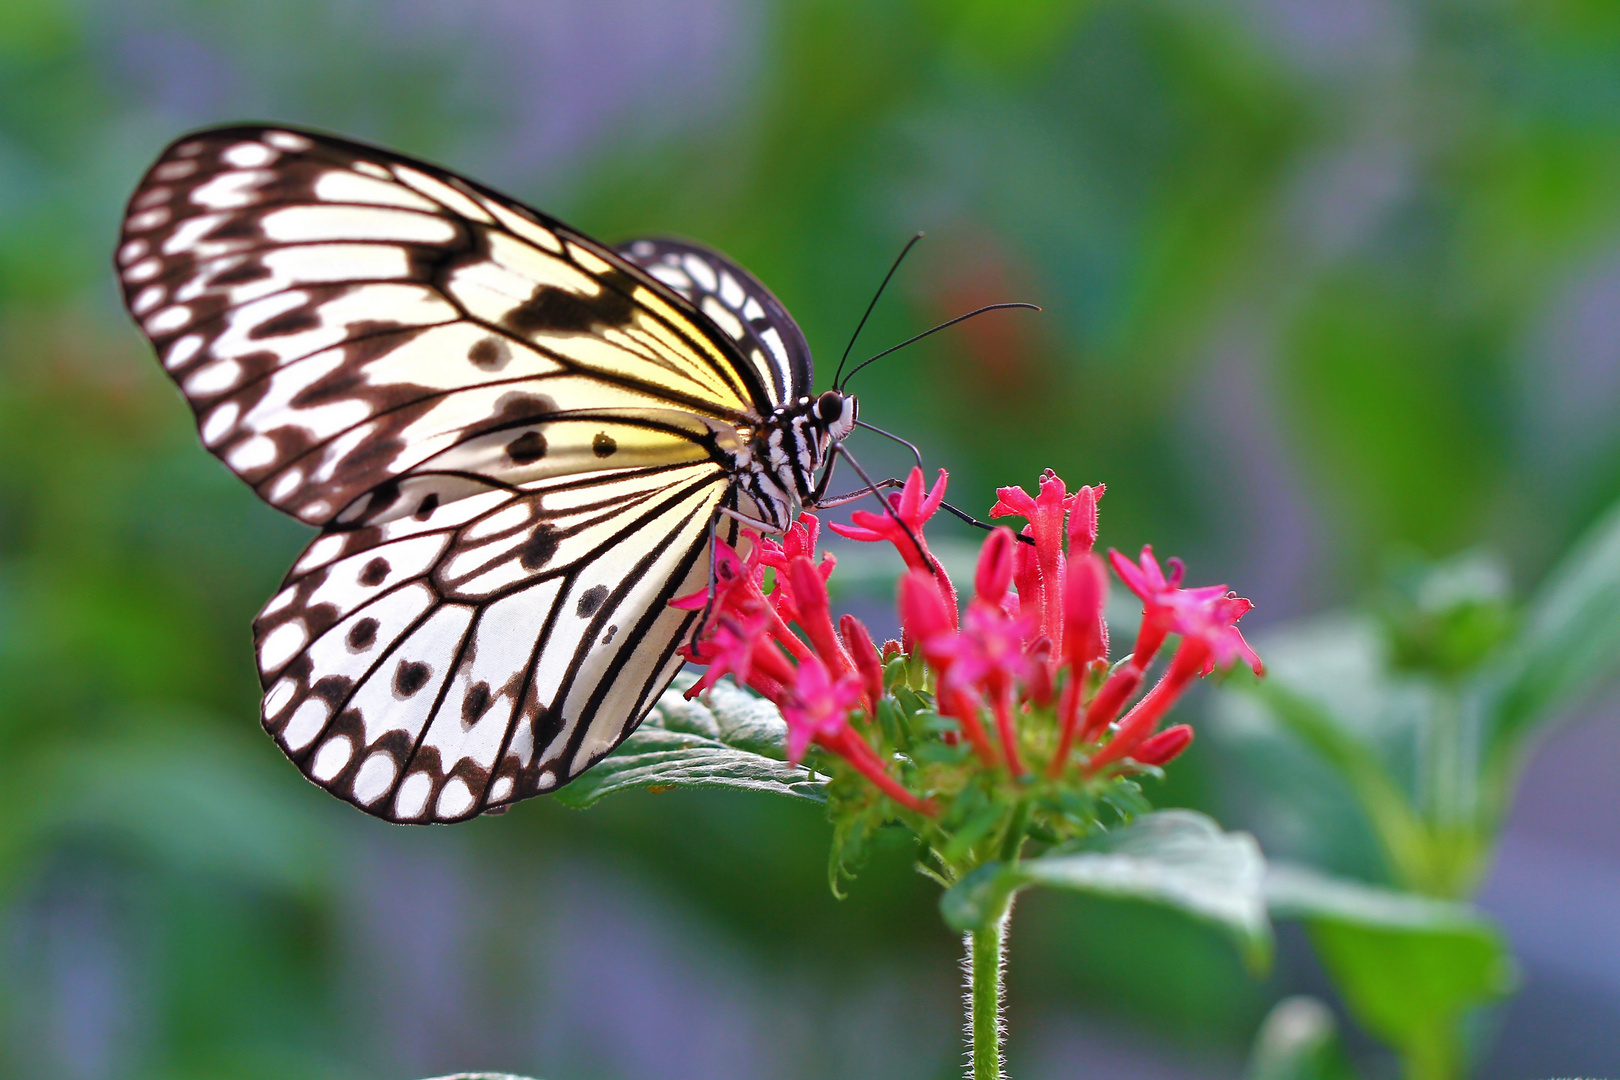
{"points": [[984, 963]]}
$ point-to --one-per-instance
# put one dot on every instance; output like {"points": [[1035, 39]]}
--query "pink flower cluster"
{"points": [[1033, 637]]}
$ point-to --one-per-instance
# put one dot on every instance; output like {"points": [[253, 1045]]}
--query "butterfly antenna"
{"points": [[861, 325], [935, 330]]}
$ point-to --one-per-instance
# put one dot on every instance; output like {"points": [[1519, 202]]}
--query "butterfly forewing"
{"points": [[336, 314], [515, 439]]}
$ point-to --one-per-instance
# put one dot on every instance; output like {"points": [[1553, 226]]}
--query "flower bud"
{"points": [[865, 654], [810, 596], [922, 609], [1164, 747], [995, 570], [1039, 679], [1083, 519], [1085, 595]]}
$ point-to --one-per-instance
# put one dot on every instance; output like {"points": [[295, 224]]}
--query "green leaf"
{"points": [[1408, 966], [1570, 641], [1299, 1040], [1386, 805], [737, 740], [1176, 858]]}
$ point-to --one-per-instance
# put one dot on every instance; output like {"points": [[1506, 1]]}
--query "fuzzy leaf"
{"points": [[1176, 858], [1407, 965], [736, 740]]}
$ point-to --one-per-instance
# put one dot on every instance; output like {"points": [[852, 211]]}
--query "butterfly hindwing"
{"points": [[336, 315], [736, 302], [430, 670]]}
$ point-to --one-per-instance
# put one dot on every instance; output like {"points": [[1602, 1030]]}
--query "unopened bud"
{"points": [[995, 570], [1165, 747]]}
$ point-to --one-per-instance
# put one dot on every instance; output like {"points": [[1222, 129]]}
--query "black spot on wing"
{"points": [[410, 677], [526, 448], [590, 601], [429, 503], [604, 444], [362, 635], [538, 549], [475, 703], [490, 354], [374, 572], [559, 311]]}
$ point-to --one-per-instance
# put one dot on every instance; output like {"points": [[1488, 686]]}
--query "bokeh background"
{"points": [[1326, 283]]}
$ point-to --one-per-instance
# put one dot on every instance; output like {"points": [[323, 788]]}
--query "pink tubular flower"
{"points": [[1028, 646], [1085, 597], [814, 616], [1158, 595], [1039, 656], [1206, 618], [817, 707], [742, 647], [817, 710], [989, 662], [735, 578], [903, 527], [799, 542], [1212, 620], [1045, 513], [738, 595], [929, 625], [1139, 723], [995, 570]]}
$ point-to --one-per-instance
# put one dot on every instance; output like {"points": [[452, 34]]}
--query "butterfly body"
{"points": [[517, 443], [784, 466]]}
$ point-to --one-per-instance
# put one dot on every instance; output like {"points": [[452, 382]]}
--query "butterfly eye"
{"points": [[829, 406]]}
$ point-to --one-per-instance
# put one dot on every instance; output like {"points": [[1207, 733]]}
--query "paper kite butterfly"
{"points": [[516, 442]]}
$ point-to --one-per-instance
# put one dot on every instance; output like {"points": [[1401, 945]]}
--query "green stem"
{"points": [[1436, 1053], [984, 956]]}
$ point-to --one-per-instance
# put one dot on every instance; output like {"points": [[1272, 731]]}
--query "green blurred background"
{"points": [[1327, 282]]}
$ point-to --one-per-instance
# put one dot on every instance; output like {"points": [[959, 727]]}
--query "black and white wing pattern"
{"points": [[429, 669], [514, 439], [735, 301]]}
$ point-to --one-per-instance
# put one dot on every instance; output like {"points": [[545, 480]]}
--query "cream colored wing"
{"points": [[341, 318]]}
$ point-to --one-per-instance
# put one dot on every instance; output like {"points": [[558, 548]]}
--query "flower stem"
{"points": [[984, 962]]}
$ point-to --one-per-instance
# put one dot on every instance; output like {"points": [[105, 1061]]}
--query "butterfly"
{"points": [[517, 443]]}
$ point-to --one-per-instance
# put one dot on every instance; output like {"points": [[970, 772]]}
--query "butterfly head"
{"points": [[836, 412]]}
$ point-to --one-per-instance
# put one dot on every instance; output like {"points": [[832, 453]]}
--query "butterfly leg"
{"points": [[714, 558], [848, 497], [843, 452], [708, 590]]}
